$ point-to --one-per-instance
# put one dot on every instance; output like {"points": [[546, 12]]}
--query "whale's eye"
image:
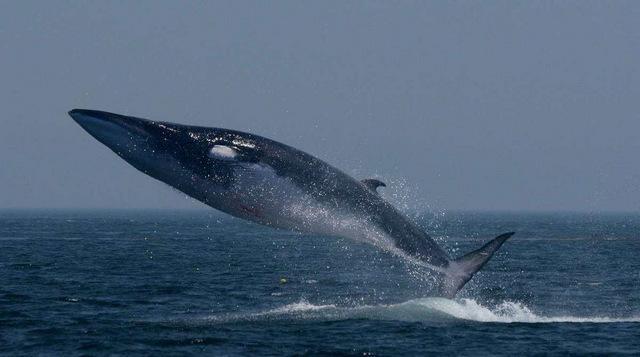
{"points": [[222, 152]]}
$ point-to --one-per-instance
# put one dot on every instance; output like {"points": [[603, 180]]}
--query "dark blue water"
{"points": [[133, 282]]}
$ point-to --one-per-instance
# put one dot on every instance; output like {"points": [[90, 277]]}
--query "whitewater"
{"points": [[417, 310]]}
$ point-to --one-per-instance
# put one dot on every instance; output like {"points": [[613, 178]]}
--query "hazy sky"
{"points": [[467, 105]]}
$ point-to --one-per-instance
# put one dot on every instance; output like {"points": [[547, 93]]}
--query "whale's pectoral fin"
{"points": [[462, 269], [373, 184]]}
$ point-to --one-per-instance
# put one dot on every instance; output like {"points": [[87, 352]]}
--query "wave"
{"points": [[417, 310]]}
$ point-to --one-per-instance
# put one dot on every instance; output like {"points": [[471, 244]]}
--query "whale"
{"points": [[270, 183]]}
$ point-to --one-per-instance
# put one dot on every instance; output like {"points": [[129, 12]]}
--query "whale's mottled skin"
{"points": [[270, 183]]}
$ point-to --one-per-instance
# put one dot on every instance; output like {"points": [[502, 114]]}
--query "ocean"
{"points": [[134, 282]]}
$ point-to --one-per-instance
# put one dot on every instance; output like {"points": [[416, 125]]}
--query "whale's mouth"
{"points": [[145, 144], [115, 131], [133, 139]]}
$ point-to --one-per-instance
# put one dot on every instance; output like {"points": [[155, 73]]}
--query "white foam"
{"points": [[506, 312], [418, 310], [301, 306]]}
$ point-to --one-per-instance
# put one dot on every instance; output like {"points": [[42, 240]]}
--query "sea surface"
{"points": [[197, 282]]}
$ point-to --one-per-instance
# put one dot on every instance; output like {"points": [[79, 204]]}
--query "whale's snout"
{"points": [[134, 139], [147, 145], [83, 114], [109, 128], [117, 131], [86, 117]]}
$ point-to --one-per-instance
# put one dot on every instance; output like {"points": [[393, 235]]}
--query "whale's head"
{"points": [[182, 156]]}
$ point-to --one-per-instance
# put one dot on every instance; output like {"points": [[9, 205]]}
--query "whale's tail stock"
{"points": [[460, 270]]}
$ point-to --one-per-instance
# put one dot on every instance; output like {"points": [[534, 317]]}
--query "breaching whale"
{"points": [[273, 184]]}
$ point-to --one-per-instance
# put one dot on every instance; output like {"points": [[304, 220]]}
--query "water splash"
{"points": [[417, 310]]}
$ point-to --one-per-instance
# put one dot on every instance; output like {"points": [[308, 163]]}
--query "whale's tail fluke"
{"points": [[462, 269]]}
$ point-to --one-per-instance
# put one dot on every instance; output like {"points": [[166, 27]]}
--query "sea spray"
{"points": [[426, 310]]}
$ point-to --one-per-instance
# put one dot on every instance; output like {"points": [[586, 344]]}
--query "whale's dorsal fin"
{"points": [[373, 184]]}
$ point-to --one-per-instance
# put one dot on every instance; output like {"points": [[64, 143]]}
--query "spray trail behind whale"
{"points": [[417, 310]]}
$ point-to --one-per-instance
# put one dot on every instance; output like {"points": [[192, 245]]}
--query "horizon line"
{"points": [[435, 211]]}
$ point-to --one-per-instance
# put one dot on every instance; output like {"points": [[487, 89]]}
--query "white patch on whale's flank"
{"points": [[222, 152], [283, 204], [317, 218], [277, 201]]}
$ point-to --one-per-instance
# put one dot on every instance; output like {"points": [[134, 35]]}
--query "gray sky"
{"points": [[463, 105]]}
